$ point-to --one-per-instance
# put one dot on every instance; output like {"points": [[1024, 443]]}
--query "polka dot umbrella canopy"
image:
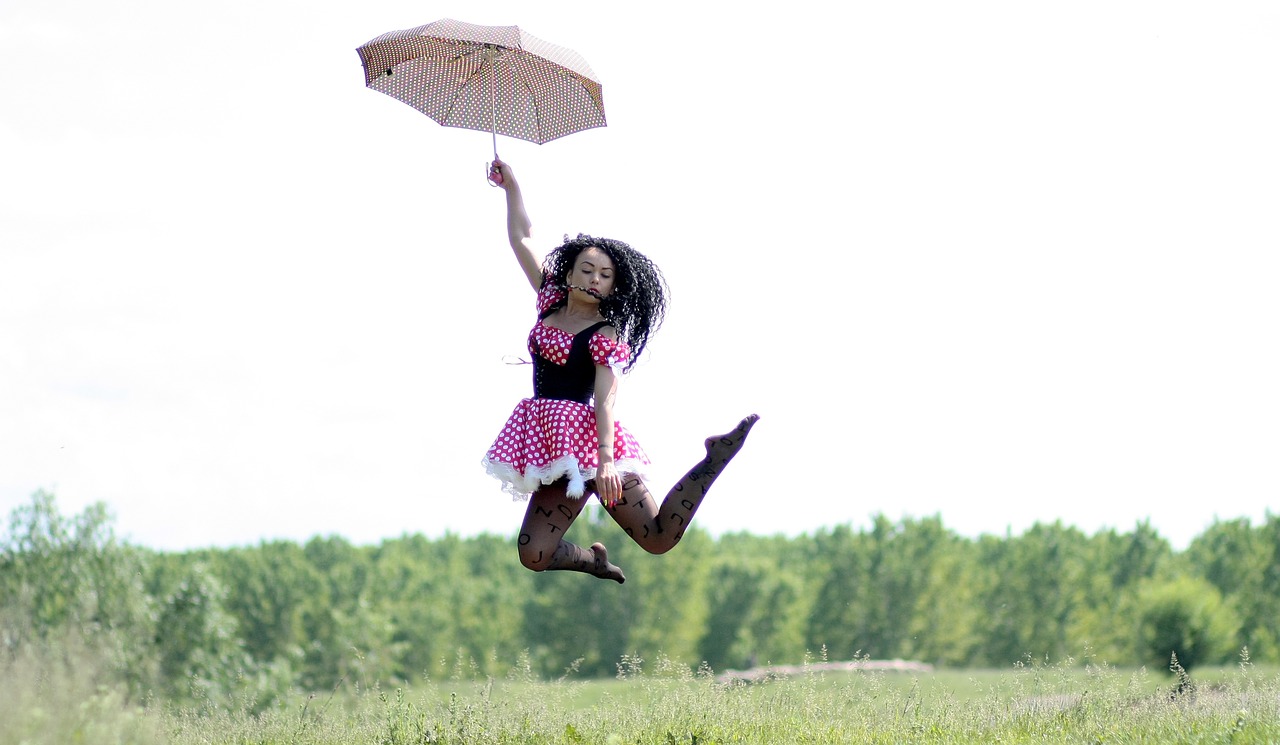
{"points": [[496, 79]]}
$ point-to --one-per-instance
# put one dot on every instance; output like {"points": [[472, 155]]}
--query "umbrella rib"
{"points": [[537, 108], [393, 46], [464, 83]]}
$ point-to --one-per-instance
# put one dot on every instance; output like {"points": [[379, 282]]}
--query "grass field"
{"points": [[664, 703]]}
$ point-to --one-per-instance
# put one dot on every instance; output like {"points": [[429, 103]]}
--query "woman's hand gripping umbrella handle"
{"points": [[494, 173]]}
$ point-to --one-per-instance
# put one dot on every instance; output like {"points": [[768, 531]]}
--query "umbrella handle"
{"points": [[495, 176], [492, 173]]}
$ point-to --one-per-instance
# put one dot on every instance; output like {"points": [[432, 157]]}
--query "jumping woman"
{"points": [[598, 302]]}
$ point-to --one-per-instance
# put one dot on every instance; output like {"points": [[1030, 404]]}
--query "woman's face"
{"points": [[592, 271]]}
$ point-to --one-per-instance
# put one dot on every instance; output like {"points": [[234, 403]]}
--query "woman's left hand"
{"points": [[608, 484]]}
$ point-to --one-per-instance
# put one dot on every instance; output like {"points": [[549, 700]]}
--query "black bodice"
{"points": [[573, 381]]}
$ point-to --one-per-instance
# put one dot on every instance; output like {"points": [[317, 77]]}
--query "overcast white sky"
{"points": [[1004, 262]]}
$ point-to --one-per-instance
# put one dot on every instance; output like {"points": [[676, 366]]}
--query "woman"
{"points": [[599, 300]]}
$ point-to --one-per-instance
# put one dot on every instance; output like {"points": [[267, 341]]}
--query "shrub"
{"points": [[1187, 617]]}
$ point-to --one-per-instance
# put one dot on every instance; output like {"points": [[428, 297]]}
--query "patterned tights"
{"points": [[655, 527]]}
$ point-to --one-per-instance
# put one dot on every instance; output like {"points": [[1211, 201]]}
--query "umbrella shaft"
{"points": [[493, 114]]}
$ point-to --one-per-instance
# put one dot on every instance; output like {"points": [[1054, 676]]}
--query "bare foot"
{"points": [[605, 570]]}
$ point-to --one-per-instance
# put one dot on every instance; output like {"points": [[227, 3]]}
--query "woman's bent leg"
{"points": [[657, 528], [542, 545]]}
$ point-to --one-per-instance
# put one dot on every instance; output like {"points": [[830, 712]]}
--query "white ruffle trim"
{"points": [[617, 359], [520, 486]]}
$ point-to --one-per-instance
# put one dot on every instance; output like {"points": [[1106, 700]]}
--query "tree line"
{"points": [[260, 620]]}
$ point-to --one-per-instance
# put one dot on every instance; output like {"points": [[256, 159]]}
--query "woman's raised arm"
{"points": [[519, 227]]}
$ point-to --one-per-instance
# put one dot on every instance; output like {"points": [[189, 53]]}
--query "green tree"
{"points": [[455, 606], [668, 614], [71, 580], [758, 601], [1265, 635], [836, 622], [732, 597], [945, 622], [347, 631], [196, 639], [1240, 561], [1114, 566], [897, 590], [1187, 617], [487, 597], [410, 585], [273, 592], [1031, 589]]}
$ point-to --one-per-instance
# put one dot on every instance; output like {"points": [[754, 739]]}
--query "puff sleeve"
{"points": [[611, 352], [547, 296]]}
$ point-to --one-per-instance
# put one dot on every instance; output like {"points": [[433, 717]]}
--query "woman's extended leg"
{"points": [[542, 545], [658, 528]]}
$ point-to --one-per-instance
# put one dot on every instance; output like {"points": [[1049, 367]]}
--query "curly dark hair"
{"points": [[638, 303]]}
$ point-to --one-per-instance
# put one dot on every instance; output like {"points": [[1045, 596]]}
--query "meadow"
{"points": [[663, 703], [418, 641]]}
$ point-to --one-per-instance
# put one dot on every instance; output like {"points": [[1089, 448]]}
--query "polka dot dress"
{"points": [[547, 439]]}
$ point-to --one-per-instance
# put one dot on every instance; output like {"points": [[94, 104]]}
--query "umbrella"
{"points": [[496, 79]]}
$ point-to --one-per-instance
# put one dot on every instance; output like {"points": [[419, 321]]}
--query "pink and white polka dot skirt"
{"points": [[547, 439]]}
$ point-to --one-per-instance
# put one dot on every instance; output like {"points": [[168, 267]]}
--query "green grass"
{"points": [[663, 703], [67, 698]]}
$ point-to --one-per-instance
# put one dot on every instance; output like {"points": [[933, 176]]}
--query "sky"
{"points": [[998, 262]]}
